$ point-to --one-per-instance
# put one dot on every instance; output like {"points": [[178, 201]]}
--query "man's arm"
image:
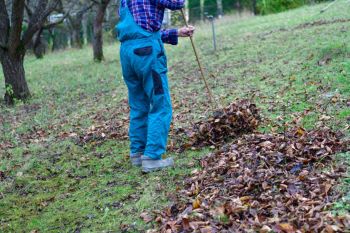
{"points": [[171, 4], [171, 36]]}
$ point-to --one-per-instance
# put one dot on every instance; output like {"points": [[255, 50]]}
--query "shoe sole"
{"points": [[147, 165], [148, 170]]}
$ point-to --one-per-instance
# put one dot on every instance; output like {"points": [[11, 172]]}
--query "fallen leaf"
{"points": [[265, 229], [146, 217], [286, 227], [196, 204]]}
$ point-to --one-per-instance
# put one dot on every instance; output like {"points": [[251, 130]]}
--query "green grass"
{"points": [[57, 185]]}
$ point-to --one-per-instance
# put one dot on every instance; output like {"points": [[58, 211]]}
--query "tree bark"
{"points": [[14, 42], [97, 43], [201, 8], [15, 83], [38, 44], [75, 25], [255, 8], [76, 38], [220, 8], [16, 25], [4, 26]]}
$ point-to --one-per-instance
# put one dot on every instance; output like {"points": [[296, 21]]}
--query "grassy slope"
{"points": [[55, 185]]}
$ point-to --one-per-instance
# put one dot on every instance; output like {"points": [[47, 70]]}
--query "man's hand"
{"points": [[186, 31]]}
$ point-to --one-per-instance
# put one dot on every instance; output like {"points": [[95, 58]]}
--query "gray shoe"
{"points": [[150, 165], [136, 160]]}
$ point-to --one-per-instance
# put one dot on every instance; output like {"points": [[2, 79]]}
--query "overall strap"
{"points": [[126, 3]]}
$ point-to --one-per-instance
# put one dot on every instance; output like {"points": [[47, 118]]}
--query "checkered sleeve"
{"points": [[170, 36], [172, 4]]}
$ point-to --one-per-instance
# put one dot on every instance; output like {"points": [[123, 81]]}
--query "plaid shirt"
{"points": [[149, 15]]}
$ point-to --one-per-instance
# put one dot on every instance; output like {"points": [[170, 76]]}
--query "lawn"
{"points": [[64, 154]]}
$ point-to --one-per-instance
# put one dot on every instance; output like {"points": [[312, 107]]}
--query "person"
{"points": [[144, 67]]}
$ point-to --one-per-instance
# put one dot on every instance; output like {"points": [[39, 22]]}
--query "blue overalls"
{"points": [[144, 66]]}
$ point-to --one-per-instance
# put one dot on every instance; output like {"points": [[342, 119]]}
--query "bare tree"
{"points": [[14, 42], [75, 18], [97, 43], [38, 44]]}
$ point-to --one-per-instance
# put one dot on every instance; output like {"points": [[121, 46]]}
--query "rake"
{"points": [[212, 99]]}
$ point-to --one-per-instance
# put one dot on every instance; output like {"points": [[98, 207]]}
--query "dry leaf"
{"points": [[146, 217], [265, 229], [207, 230], [262, 179], [196, 204], [286, 227]]}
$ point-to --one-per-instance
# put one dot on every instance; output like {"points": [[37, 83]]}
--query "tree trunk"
{"points": [[77, 41], [15, 82], [201, 7], [97, 42], [239, 7], [255, 8], [38, 45], [220, 8]]}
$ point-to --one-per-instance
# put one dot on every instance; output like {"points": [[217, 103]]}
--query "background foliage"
{"points": [[259, 6]]}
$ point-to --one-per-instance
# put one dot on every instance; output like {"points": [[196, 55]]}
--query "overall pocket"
{"points": [[143, 51], [159, 70], [157, 82]]}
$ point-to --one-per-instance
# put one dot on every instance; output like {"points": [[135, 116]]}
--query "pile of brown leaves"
{"points": [[227, 123], [263, 183]]}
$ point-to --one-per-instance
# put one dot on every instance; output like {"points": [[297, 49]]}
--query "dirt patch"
{"points": [[106, 125], [263, 183], [6, 145], [304, 25], [320, 23], [97, 134]]}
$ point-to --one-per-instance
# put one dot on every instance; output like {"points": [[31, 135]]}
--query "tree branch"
{"points": [[76, 20], [4, 24], [84, 10], [16, 25], [42, 11], [28, 10], [95, 2]]}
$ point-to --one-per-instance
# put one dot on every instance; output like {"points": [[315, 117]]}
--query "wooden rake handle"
{"points": [[212, 99]]}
